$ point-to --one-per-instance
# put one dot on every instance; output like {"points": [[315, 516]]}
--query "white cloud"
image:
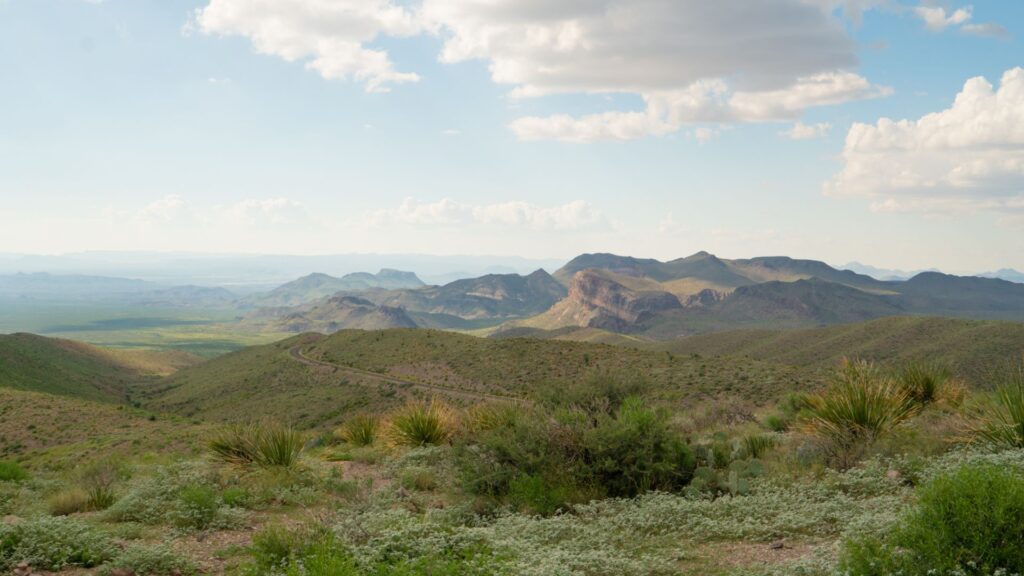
{"points": [[449, 213], [329, 36], [987, 29], [706, 101], [263, 212], [967, 157], [936, 19], [166, 209], [801, 131], [451, 132]]}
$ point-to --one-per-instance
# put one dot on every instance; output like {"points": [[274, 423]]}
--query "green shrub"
{"points": [[603, 393], [198, 507], [636, 451], [968, 522], [535, 495], [12, 472], [263, 444], [860, 406], [1001, 422], [160, 560], [98, 480], [360, 430], [68, 501], [757, 445], [421, 479], [276, 550], [776, 422], [52, 543], [421, 424]]}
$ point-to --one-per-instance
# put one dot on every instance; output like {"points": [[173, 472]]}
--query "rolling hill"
{"points": [[332, 314], [68, 368], [975, 349]]}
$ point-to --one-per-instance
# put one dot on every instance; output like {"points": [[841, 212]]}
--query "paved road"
{"points": [[297, 355]]}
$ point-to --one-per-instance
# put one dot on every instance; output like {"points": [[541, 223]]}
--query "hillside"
{"points": [[57, 431], [272, 380], [318, 286], [68, 368], [333, 314], [974, 348]]}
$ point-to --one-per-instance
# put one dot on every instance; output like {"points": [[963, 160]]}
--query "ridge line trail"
{"points": [[296, 353]]}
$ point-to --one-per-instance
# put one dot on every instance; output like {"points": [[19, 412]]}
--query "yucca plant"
{"points": [[261, 444], [1001, 422], [360, 430], [422, 424], [757, 445], [860, 406], [929, 382]]}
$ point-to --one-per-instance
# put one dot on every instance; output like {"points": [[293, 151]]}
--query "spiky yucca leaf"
{"points": [[1001, 423], [422, 424]]}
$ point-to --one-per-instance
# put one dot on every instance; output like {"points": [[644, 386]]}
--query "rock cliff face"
{"points": [[596, 301]]}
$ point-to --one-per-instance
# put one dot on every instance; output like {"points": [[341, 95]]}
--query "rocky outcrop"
{"points": [[345, 312], [597, 301]]}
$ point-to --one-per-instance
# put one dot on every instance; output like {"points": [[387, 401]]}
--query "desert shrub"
{"points": [[261, 444], [197, 507], [276, 550], [421, 424], [360, 430], [968, 522], [416, 478], [98, 480], [860, 406], [929, 382], [536, 495], [182, 495], [12, 472], [68, 501], [489, 416], [159, 560], [602, 393], [636, 451], [776, 422], [53, 543], [1001, 421]]}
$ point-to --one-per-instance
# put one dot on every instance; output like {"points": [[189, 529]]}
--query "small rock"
{"points": [[777, 545], [122, 572], [23, 569], [893, 475], [11, 519]]}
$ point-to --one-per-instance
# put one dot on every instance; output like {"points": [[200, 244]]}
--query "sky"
{"points": [[884, 132]]}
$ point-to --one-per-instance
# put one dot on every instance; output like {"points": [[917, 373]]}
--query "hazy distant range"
{"points": [[261, 271]]}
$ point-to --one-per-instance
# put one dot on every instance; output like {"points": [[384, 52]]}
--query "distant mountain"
{"points": [[316, 286], [690, 275], [490, 296], [880, 273], [42, 285], [1008, 274], [966, 296], [341, 313]]}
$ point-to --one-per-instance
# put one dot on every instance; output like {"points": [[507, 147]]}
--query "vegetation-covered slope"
{"points": [[974, 348], [40, 364]]}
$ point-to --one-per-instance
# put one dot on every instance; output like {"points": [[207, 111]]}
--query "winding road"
{"points": [[296, 353]]}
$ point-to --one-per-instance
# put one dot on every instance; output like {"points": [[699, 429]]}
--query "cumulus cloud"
{"points": [[969, 156], [447, 212], [801, 131], [691, 61], [329, 36]]}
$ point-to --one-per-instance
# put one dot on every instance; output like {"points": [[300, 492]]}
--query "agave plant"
{"points": [[262, 444], [1001, 422], [360, 430], [860, 406], [928, 382], [422, 424]]}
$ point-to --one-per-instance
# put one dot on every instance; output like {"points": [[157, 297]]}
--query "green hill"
{"points": [[69, 368], [974, 348], [373, 370], [61, 432]]}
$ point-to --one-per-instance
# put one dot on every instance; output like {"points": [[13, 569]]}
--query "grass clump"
{"points": [[968, 522], [927, 383], [422, 424], [260, 444], [275, 550], [1001, 421], [360, 430], [53, 544], [860, 406], [12, 472], [67, 502]]}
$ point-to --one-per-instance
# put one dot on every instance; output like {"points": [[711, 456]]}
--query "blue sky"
{"points": [[532, 128]]}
